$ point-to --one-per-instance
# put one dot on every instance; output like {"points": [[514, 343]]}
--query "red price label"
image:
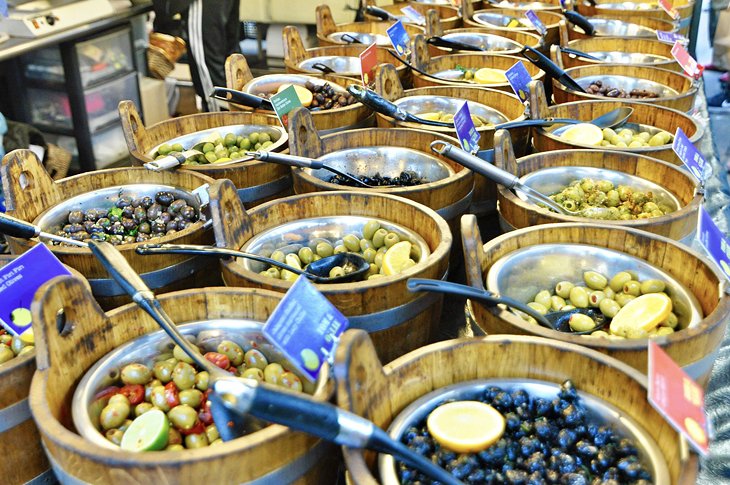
{"points": [[690, 66], [669, 8], [368, 61], [678, 398]]}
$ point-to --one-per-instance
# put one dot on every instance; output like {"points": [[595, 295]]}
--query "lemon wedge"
{"points": [[584, 133], [641, 314], [466, 426], [396, 258], [304, 94], [488, 75]]}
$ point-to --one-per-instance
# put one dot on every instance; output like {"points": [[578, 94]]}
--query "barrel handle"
{"points": [[294, 51], [467, 11], [433, 23], [67, 321], [135, 133], [325, 23], [538, 101], [231, 223], [238, 73], [304, 139], [420, 55], [387, 82], [471, 240], [504, 154], [563, 33], [28, 187]]}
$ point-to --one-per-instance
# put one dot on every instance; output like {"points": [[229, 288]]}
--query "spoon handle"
{"points": [[540, 122], [451, 44], [476, 164], [11, 226], [239, 97], [291, 160]]}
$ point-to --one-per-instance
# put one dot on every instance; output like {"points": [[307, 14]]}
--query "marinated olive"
{"points": [[183, 417], [136, 374], [273, 373], [253, 373], [183, 375], [232, 350], [580, 322], [255, 358], [114, 414]]}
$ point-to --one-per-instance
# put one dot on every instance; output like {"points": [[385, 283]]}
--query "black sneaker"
{"points": [[717, 101]]}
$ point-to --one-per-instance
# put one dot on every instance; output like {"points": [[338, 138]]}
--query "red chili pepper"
{"points": [[171, 394], [219, 360], [198, 428], [106, 392], [134, 392]]}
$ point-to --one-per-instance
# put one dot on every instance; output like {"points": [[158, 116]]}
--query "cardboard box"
{"points": [[154, 100]]}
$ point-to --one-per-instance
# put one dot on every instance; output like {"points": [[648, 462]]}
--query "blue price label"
{"points": [[2, 204], [465, 129], [714, 241], [4, 8], [306, 327], [690, 156], [399, 38], [519, 79], [671, 37], [536, 22], [19, 280], [562, 5], [414, 15]]}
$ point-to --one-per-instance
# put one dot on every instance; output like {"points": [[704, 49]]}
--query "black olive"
{"points": [[140, 215], [154, 211], [128, 224], [136, 202], [477, 476], [116, 229], [512, 421], [176, 205], [566, 438], [603, 435], [115, 239], [128, 212], [73, 228], [164, 218], [613, 93], [75, 217], [626, 447], [104, 222], [188, 213], [80, 235], [181, 225], [421, 445], [516, 477], [95, 229], [129, 239], [93, 215], [141, 237], [88, 225], [574, 479], [171, 226], [164, 198], [147, 202], [123, 201], [98, 236], [445, 456], [158, 227]]}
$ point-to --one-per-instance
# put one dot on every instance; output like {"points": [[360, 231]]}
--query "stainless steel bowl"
{"points": [[278, 135], [616, 57], [340, 64], [429, 104], [206, 334], [627, 6], [628, 83], [269, 83], [487, 42], [619, 28], [55, 217], [499, 20], [598, 411], [292, 236], [363, 37], [521, 274], [554, 179]]}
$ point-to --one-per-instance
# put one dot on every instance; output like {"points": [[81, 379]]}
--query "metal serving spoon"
{"points": [[611, 119], [555, 320], [10, 226], [241, 98], [376, 102], [509, 180], [317, 271], [234, 399], [453, 44], [552, 69]]}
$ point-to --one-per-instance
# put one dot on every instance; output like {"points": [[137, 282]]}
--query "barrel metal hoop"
{"points": [[374, 322], [366, 122], [457, 208], [14, 414], [45, 478], [702, 367], [63, 477], [154, 279], [257, 192]]}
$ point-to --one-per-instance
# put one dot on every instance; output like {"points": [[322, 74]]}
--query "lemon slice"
{"points": [[27, 337], [304, 94], [396, 258], [148, 432], [465, 426], [641, 314], [488, 75], [584, 133]]}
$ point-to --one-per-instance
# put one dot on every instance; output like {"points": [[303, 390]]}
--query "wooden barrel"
{"points": [[666, 119], [485, 191], [398, 320], [29, 191], [238, 75], [381, 392], [683, 85], [326, 26], [295, 53], [274, 453], [24, 460], [650, 22], [446, 15], [692, 348], [516, 213], [524, 38], [257, 182], [450, 197], [608, 8], [550, 19], [616, 44], [432, 65], [549, 5]]}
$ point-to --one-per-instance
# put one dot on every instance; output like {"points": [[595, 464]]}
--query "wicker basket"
{"points": [[164, 50]]}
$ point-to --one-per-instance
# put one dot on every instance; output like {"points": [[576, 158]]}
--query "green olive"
{"points": [[191, 397], [609, 307], [632, 288], [543, 298], [211, 432], [291, 381], [176, 447], [562, 289], [538, 307], [26, 350], [305, 255], [183, 375], [5, 353], [180, 354], [201, 380], [255, 358], [196, 441], [379, 237], [149, 386], [114, 414], [337, 272], [369, 255], [159, 399], [579, 297], [652, 286], [556, 303], [580, 322], [273, 373], [325, 249], [174, 437], [293, 260], [599, 333], [623, 298], [125, 425], [391, 239], [136, 374], [595, 298], [351, 242], [595, 280], [232, 350], [183, 417], [253, 373], [115, 436], [278, 256], [672, 321], [619, 280], [142, 408], [340, 248], [369, 229], [6, 339], [366, 244], [119, 398], [163, 371], [17, 344], [609, 293], [661, 331]]}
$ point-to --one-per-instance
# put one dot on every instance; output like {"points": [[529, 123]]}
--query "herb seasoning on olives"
{"points": [[597, 87], [406, 178], [324, 97], [130, 220], [545, 441]]}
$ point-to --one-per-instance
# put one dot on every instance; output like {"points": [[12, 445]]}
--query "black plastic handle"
{"points": [[378, 12], [577, 53], [239, 97], [539, 122], [452, 44], [580, 21], [325, 69], [10, 226], [290, 160], [552, 69], [350, 39]]}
